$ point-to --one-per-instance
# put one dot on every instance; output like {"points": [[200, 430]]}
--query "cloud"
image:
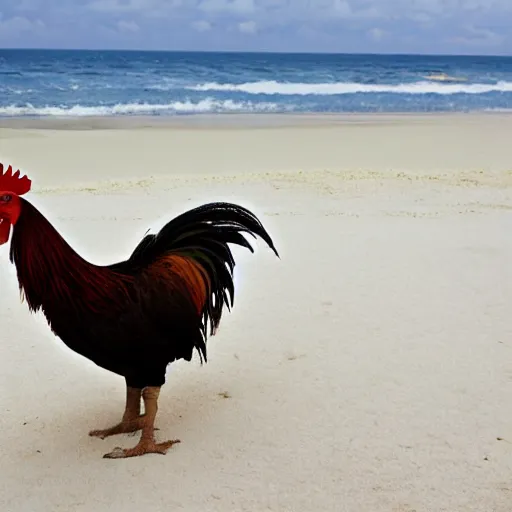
{"points": [[127, 26], [28, 5], [201, 25], [345, 9], [248, 27], [377, 33], [121, 6], [478, 37], [229, 6], [18, 26], [398, 26]]}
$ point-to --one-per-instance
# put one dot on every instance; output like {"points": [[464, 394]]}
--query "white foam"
{"points": [[203, 106], [499, 110], [19, 91], [289, 88]]}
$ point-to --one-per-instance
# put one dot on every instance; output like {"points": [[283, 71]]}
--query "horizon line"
{"points": [[274, 52]]}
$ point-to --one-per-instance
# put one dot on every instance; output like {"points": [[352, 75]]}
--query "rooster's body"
{"points": [[135, 317]]}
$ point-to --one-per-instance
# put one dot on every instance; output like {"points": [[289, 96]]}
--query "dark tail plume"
{"points": [[204, 234]]}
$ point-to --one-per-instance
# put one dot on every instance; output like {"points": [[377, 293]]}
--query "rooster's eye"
{"points": [[5, 198]]}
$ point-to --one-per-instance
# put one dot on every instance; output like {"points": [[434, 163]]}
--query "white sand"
{"points": [[367, 370]]}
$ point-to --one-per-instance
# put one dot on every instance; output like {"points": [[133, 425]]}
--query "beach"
{"points": [[368, 369]]}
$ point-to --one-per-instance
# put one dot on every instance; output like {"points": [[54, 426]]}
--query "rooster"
{"points": [[135, 317]]}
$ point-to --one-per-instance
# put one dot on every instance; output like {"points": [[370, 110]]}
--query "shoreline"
{"points": [[240, 121]]}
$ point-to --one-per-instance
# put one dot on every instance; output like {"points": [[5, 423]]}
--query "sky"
{"points": [[348, 26]]}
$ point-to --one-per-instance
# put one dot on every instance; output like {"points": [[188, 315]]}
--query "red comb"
{"points": [[12, 182]]}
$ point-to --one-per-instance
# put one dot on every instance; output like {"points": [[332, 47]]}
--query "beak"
{"points": [[5, 230]]}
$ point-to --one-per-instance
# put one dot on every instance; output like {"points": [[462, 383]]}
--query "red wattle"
{"points": [[5, 230]]}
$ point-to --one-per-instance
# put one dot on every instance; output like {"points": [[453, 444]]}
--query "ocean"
{"points": [[55, 83]]}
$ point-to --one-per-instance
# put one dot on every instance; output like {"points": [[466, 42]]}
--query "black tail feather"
{"points": [[204, 234]]}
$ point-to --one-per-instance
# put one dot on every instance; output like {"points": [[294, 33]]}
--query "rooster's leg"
{"points": [[132, 419], [147, 442]]}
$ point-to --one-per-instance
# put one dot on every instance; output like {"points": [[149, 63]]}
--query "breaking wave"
{"points": [[178, 107], [272, 87]]}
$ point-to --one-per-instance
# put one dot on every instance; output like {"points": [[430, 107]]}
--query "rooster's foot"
{"points": [[125, 427], [145, 446]]}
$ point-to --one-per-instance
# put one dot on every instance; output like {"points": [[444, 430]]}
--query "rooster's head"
{"points": [[12, 186]]}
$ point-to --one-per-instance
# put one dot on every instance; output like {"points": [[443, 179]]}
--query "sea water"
{"points": [[106, 83]]}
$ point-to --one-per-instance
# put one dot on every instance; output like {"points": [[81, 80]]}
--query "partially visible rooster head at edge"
{"points": [[12, 186]]}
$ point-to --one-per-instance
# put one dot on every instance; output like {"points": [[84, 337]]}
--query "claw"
{"points": [[144, 447], [102, 434], [124, 427], [116, 453], [130, 423]]}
